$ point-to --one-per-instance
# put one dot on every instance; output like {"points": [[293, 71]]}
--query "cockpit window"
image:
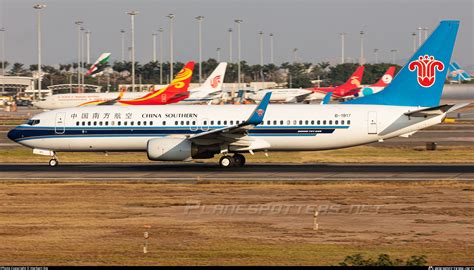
{"points": [[33, 122]]}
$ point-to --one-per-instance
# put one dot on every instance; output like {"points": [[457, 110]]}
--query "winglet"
{"points": [[257, 115], [327, 98]]}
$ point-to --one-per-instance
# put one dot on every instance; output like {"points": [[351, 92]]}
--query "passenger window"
{"points": [[281, 122], [212, 122], [131, 123], [274, 122], [83, 123], [319, 122], [194, 123], [219, 122], [106, 123], [330, 122], [119, 123], [138, 123], [336, 122], [205, 123], [225, 122], [324, 122], [342, 122], [89, 123], [268, 122], [231, 122], [288, 122], [312, 122], [95, 123], [164, 123], [187, 123], [182, 123], [301, 122], [348, 122], [77, 123], [125, 123], [306, 122]]}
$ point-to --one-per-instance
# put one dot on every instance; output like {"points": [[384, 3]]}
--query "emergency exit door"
{"points": [[372, 123], [60, 123]]}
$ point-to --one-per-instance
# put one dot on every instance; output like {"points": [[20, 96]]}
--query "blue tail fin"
{"points": [[421, 80], [457, 73]]}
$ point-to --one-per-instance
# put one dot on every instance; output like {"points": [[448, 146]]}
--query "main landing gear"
{"points": [[237, 160]]}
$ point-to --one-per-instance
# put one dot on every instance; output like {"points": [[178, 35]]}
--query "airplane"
{"points": [[385, 80], [456, 74], [185, 132], [352, 84], [176, 91], [283, 95], [98, 67], [210, 90]]}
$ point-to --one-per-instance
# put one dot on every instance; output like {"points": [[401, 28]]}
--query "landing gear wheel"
{"points": [[53, 162], [239, 160], [226, 162]]}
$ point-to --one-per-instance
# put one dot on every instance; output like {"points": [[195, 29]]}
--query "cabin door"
{"points": [[372, 123], [60, 123]]}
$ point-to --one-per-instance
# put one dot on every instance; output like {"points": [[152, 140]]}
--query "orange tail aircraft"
{"points": [[176, 91]]}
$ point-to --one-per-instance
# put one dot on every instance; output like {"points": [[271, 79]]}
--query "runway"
{"points": [[195, 172]]}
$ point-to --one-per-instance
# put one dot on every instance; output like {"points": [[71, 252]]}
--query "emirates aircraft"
{"points": [[186, 132]]}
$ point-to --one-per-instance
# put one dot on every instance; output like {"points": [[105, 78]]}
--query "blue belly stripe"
{"points": [[29, 133]]}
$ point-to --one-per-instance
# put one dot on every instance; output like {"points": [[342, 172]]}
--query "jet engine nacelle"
{"points": [[178, 149]]}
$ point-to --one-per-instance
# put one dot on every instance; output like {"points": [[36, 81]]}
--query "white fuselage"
{"points": [[282, 95], [285, 127], [61, 101]]}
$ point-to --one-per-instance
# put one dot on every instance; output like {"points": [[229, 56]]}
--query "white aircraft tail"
{"points": [[214, 82]]}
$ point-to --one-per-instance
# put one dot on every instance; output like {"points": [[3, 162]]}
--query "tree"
{"points": [[18, 70]]}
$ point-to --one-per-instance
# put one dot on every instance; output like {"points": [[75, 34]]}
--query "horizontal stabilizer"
{"points": [[438, 110]]}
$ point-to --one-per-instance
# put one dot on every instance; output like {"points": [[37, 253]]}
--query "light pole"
{"points": [[261, 47], [376, 55], [361, 62], [218, 51], [171, 17], [342, 46], [230, 45], [425, 29], [88, 47], [419, 36], [161, 55], [122, 32], [199, 19], [414, 41], [82, 57], [271, 49], [295, 55], [132, 22], [393, 56], [238, 22], [2, 31], [39, 7], [154, 46], [78, 23]]}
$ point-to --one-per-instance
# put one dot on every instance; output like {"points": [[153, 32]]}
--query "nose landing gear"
{"points": [[237, 160], [53, 162]]}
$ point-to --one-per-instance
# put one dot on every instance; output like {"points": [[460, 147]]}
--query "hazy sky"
{"points": [[311, 26]]}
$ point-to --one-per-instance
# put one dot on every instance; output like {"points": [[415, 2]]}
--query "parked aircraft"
{"points": [[352, 84], [181, 133], [457, 74], [385, 80]]}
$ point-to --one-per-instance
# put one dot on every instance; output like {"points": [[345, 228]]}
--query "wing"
{"points": [[236, 135]]}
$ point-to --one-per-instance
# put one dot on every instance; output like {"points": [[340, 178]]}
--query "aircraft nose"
{"points": [[14, 134]]}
